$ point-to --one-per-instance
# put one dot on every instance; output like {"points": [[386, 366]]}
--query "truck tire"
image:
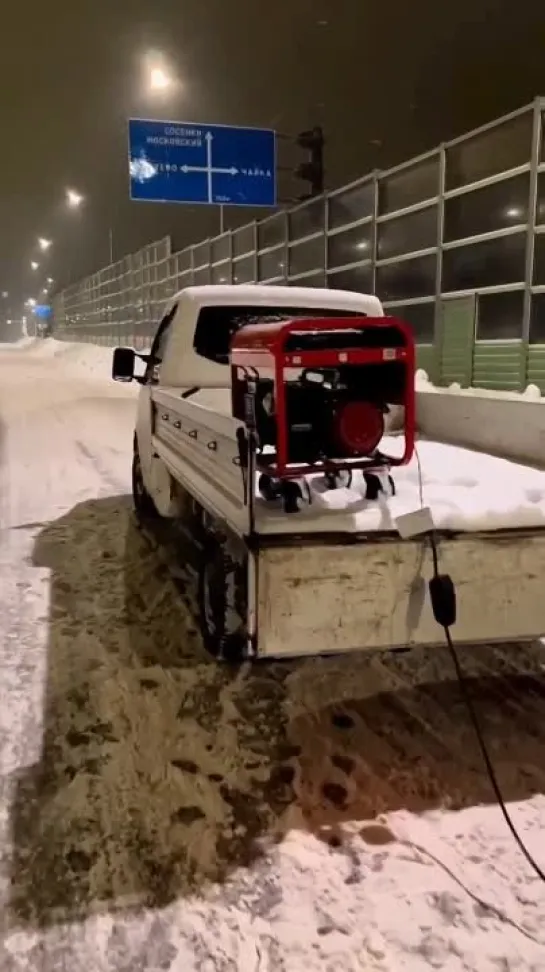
{"points": [[144, 506], [221, 616]]}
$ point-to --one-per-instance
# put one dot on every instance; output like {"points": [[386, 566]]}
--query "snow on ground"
{"points": [[158, 811]]}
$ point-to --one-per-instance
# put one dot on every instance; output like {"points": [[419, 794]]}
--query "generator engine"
{"points": [[314, 393]]}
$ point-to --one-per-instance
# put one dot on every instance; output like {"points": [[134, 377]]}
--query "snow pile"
{"points": [[20, 345], [89, 360], [532, 391], [423, 384], [421, 379]]}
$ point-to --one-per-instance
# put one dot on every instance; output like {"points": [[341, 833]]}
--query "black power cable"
{"points": [[443, 603]]}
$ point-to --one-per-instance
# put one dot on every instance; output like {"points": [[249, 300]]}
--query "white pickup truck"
{"points": [[336, 576]]}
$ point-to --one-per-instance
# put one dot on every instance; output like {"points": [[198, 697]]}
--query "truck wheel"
{"points": [[143, 504], [221, 613]]}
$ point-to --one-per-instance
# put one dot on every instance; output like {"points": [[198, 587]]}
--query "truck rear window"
{"points": [[216, 325]]}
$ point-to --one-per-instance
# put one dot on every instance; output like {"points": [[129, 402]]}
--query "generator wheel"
{"points": [[222, 602], [335, 480], [373, 486], [268, 488]]}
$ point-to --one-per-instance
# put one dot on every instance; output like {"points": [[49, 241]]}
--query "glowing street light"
{"points": [[31, 302], [73, 198], [50, 280], [158, 77], [44, 291], [159, 80], [34, 264], [5, 295], [44, 244]]}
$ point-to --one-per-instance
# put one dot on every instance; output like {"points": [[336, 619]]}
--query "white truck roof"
{"points": [[267, 294]]}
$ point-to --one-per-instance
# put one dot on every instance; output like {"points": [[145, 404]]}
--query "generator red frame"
{"points": [[258, 351]]}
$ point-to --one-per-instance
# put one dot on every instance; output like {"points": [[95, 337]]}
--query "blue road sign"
{"points": [[182, 162], [43, 311]]}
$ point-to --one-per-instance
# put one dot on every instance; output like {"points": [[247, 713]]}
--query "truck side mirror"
{"points": [[123, 364]]}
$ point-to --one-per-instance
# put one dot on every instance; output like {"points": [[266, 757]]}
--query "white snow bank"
{"points": [[532, 391], [421, 377], [19, 345], [423, 384], [91, 360]]}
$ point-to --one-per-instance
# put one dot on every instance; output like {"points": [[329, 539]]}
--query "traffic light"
{"points": [[312, 171]]}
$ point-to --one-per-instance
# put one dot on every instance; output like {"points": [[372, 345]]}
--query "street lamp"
{"points": [[158, 77], [73, 198], [50, 280], [5, 295], [159, 80], [34, 264], [43, 243], [31, 302]]}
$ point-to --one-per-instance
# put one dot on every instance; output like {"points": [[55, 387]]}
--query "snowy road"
{"points": [[160, 812]]}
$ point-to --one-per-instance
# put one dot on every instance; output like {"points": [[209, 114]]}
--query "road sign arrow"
{"points": [[209, 139], [204, 168]]}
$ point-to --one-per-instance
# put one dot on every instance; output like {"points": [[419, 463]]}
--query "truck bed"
{"points": [[337, 576]]}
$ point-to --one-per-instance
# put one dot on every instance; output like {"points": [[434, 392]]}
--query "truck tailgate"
{"points": [[318, 598]]}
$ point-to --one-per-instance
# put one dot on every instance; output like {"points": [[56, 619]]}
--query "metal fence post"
{"points": [[530, 239]]}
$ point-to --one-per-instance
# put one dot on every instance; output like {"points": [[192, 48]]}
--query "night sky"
{"points": [[386, 79]]}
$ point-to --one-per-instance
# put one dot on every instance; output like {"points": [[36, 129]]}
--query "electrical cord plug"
{"points": [[443, 599]]}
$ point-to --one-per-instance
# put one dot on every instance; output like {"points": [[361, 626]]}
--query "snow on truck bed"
{"points": [[465, 490]]}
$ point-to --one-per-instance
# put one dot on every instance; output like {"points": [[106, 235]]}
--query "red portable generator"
{"points": [[314, 393]]}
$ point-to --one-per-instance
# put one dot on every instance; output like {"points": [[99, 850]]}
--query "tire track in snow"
{"points": [[109, 480]]}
